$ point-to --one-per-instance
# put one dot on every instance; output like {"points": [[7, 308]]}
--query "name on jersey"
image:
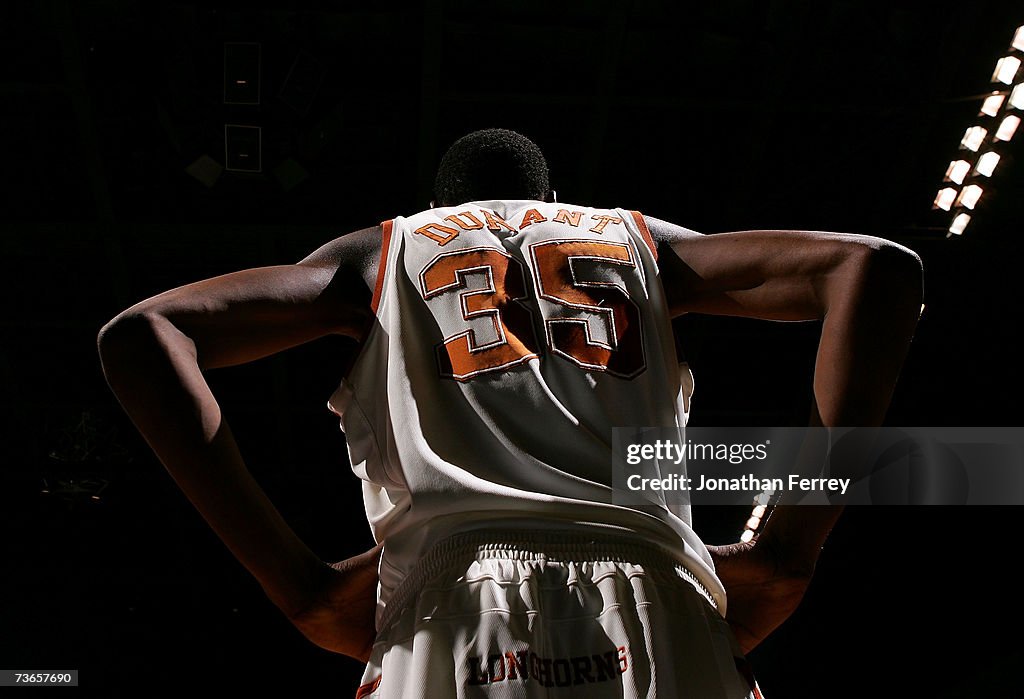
{"points": [[469, 220], [525, 665]]}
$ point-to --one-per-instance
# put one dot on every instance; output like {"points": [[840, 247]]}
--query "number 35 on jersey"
{"points": [[573, 293]]}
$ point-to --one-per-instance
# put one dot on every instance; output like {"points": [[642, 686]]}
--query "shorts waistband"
{"points": [[534, 545]]}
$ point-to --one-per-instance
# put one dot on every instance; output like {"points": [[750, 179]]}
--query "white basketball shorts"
{"points": [[547, 614]]}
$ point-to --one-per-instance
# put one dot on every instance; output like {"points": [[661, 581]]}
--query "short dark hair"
{"points": [[491, 164]]}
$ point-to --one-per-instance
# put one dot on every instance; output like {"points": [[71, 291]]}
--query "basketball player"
{"points": [[503, 336]]}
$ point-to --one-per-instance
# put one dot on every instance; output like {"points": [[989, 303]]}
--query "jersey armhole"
{"points": [[641, 224], [382, 264]]}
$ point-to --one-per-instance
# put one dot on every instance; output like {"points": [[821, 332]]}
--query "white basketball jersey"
{"points": [[511, 338]]}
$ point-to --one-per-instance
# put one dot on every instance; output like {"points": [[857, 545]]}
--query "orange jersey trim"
{"points": [[645, 232], [368, 688], [385, 245]]}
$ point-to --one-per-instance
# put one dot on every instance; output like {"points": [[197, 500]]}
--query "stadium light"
{"points": [[992, 104], [1006, 69], [957, 171], [959, 224], [1007, 128], [1000, 113], [969, 196], [973, 138], [757, 514], [944, 199], [1017, 97], [987, 163]]}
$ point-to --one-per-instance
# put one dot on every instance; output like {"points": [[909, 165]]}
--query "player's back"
{"points": [[512, 337]]}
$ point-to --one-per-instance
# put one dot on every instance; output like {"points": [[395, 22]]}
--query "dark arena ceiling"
{"points": [[719, 116]]}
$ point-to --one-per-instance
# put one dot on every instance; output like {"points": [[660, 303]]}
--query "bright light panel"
{"points": [[969, 196], [1017, 97], [1007, 128], [1006, 69], [992, 104], [945, 198], [959, 224], [973, 138], [958, 170], [987, 164], [1018, 39]]}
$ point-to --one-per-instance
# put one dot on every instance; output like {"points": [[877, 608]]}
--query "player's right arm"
{"points": [[867, 291], [154, 355]]}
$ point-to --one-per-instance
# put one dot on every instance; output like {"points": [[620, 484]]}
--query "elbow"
{"points": [[891, 272], [123, 335], [902, 271]]}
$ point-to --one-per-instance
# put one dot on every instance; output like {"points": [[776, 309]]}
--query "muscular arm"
{"points": [[868, 293], [154, 355], [866, 290]]}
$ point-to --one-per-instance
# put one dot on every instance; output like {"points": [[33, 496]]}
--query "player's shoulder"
{"points": [[356, 253], [667, 233], [346, 248]]}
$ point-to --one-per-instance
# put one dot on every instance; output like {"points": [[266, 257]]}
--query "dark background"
{"points": [[719, 116]]}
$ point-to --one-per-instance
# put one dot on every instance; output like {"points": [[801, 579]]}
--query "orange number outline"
{"points": [[554, 279], [625, 355], [459, 356]]}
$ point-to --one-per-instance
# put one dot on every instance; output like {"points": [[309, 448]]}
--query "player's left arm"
{"points": [[868, 292]]}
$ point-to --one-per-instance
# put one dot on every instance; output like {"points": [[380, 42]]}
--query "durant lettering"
{"points": [[470, 220]]}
